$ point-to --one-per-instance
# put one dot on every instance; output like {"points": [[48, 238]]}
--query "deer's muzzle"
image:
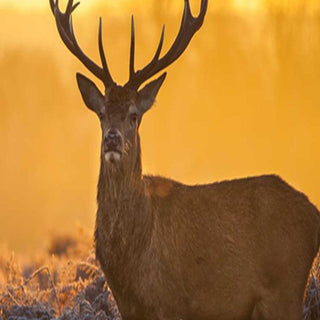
{"points": [[113, 146]]}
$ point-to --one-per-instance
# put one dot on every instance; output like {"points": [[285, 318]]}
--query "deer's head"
{"points": [[120, 108], [120, 111]]}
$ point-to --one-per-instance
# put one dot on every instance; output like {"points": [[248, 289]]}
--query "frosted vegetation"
{"points": [[64, 282]]}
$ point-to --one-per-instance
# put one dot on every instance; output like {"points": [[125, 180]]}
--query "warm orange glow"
{"points": [[243, 100], [242, 5]]}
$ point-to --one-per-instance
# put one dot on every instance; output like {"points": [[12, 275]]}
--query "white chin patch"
{"points": [[112, 156]]}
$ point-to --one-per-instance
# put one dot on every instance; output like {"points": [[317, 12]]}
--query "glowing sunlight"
{"points": [[243, 100]]}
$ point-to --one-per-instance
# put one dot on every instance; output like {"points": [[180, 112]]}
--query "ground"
{"points": [[65, 282]]}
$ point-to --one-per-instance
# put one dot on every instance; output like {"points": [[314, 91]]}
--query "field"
{"points": [[66, 283], [62, 283]]}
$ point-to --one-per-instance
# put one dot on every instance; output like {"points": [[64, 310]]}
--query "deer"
{"points": [[229, 250]]}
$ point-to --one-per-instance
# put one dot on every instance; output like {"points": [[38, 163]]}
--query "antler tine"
{"points": [[69, 6], [52, 4], [65, 28], [132, 49], [148, 68], [189, 26], [157, 54], [103, 57]]}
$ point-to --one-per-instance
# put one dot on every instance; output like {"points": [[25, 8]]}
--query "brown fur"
{"points": [[157, 186], [119, 96], [238, 249]]}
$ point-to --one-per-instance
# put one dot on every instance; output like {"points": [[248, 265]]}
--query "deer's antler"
{"points": [[189, 26], [65, 28]]}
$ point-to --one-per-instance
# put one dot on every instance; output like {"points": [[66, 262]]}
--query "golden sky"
{"points": [[43, 4], [238, 4]]}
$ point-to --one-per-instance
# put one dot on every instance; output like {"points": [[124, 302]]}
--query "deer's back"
{"points": [[264, 201], [237, 237]]}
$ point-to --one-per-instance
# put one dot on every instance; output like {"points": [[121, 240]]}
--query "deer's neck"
{"points": [[119, 184], [123, 210]]}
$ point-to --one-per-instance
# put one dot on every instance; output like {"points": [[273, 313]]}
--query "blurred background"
{"points": [[243, 100]]}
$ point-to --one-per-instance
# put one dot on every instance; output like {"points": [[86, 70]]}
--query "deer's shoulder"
{"points": [[157, 186]]}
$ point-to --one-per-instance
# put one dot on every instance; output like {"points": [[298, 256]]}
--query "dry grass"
{"points": [[66, 283], [63, 283], [311, 310]]}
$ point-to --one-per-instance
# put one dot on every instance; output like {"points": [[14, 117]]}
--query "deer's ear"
{"points": [[147, 95], [91, 95]]}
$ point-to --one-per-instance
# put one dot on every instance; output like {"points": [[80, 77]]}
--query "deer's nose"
{"points": [[112, 140]]}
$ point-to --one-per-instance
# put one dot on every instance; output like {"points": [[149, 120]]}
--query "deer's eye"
{"points": [[133, 118]]}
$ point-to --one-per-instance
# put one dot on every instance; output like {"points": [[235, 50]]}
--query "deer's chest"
{"points": [[122, 270], [136, 280]]}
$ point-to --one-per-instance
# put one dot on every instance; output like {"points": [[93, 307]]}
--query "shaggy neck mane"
{"points": [[123, 209], [119, 184]]}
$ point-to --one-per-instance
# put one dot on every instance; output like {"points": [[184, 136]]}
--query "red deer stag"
{"points": [[239, 249]]}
